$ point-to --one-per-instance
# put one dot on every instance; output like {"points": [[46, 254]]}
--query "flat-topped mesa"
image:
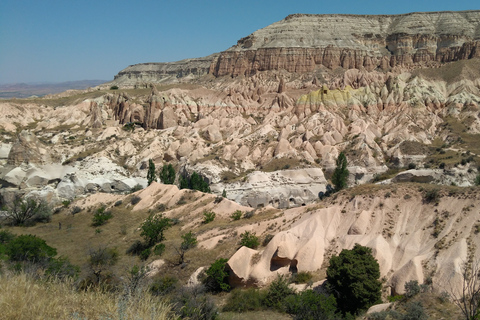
{"points": [[167, 72], [302, 42]]}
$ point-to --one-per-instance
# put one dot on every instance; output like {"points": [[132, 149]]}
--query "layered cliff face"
{"points": [[302, 43], [167, 72]]}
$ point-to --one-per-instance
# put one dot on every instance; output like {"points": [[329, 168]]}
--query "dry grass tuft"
{"points": [[25, 298]]}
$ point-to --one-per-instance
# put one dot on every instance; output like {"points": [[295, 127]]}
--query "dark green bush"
{"points": [[309, 305], [62, 268], [29, 248], [145, 254], [159, 249], [118, 203], [136, 248], [302, 277], [101, 217], [276, 294], [163, 285], [6, 236], [414, 311], [353, 278], [114, 88], [249, 240], [217, 276], [244, 300], [135, 200], [432, 195]]}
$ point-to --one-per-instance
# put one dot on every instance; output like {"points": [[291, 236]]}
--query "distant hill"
{"points": [[24, 90]]}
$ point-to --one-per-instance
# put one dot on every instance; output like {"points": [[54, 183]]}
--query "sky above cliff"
{"points": [[58, 40]]}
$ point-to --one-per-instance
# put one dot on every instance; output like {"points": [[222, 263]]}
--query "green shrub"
{"points": [[248, 214], [153, 229], [236, 215], [412, 288], [62, 268], [76, 209], [118, 203], [66, 203], [244, 300], [208, 216], [163, 285], [159, 249], [29, 248], [249, 240], [432, 195], [353, 278], [136, 248], [217, 276], [136, 188], [145, 254], [101, 217], [414, 311], [114, 88], [302, 277], [135, 200], [276, 294], [189, 241], [309, 305], [477, 180], [267, 239], [6, 236], [194, 304], [100, 260]]}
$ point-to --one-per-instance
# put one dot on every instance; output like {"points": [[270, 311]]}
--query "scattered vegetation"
{"points": [[101, 217], [194, 182], [217, 276], [249, 240], [208, 216], [236, 215]]}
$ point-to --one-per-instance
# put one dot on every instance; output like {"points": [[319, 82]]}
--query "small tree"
{"points": [[217, 276], [100, 260], [468, 298], [340, 174], [353, 279], [224, 193], [151, 176], [189, 241], [28, 211], [167, 174], [153, 228]]}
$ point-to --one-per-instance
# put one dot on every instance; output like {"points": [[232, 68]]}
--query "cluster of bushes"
{"points": [[29, 251], [307, 304]]}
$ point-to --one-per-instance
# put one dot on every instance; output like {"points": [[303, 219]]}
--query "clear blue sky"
{"points": [[64, 40]]}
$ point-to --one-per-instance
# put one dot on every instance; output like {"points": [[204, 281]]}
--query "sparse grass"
{"points": [[281, 164], [25, 298]]}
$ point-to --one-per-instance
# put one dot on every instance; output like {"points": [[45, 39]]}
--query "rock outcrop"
{"points": [[301, 43]]}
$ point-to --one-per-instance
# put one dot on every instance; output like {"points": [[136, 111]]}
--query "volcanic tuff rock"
{"points": [[302, 43]]}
